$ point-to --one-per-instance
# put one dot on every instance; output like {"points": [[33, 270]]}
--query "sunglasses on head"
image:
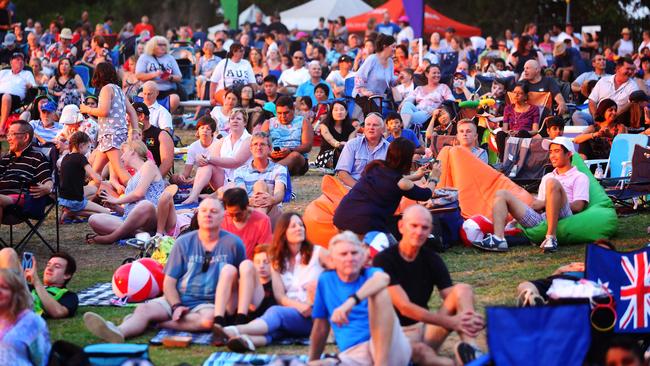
{"points": [[207, 259]]}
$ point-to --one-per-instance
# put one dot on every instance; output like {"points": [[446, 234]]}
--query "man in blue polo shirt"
{"points": [[354, 301], [387, 27], [306, 89]]}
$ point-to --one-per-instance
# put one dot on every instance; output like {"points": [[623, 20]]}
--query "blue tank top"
{"points": [[289, 136]]}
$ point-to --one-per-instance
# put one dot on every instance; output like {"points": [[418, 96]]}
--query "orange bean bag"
{"points": [[319, 213], [477, 182]]}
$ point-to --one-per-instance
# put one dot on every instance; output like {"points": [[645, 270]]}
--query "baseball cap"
{"points": [[345, 58], [10, 40], [560, 140], [70, 115], [17, 55], [461, 73], [49, 107], [141, 108]]}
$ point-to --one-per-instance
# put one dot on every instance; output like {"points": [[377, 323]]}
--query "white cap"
{"points": [[70, 115], [560, 140]]}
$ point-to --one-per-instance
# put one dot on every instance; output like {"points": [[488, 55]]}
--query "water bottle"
{"points": [[599, 174]]}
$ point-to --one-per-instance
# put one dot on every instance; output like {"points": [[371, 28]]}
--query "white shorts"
{"points": [[168, 308]]}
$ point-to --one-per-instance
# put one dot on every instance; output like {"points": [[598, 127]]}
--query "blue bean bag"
{"points": [[597, 221]]}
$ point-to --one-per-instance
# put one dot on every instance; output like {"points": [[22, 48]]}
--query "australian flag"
{"points": [[627, 276]]}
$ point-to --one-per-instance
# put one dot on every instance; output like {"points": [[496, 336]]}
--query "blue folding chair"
{"points": [[163, 102], [84, 74], [288, 191], [620, 156]]}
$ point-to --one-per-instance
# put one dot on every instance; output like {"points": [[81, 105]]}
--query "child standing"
{"points": [[74, 169]]}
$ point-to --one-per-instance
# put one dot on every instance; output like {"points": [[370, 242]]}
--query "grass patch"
{"points": [[493, 276]]}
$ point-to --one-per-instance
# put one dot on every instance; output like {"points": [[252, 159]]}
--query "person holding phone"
{"points": [[51, 298], [376, 196]]}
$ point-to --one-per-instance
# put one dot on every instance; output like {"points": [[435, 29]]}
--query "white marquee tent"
{"points": [[305, 16]]}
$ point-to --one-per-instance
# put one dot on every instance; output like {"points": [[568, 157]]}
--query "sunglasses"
{"points": [[603, 314], [207, 259]]}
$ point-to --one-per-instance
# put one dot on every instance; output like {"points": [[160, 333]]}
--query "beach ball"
{"points": [[139, 280], [475, 228], [376, 242]]}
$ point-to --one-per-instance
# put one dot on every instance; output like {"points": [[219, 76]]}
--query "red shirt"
{"points": [[141, 26], [256, 231]]}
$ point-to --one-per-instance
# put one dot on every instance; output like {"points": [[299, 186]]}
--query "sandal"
{"points": [[90, 238], [219, 336], [241, 344]]}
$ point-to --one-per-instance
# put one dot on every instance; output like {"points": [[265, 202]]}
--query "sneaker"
{"points": [[490, 243], [466, 353], [241, 344], [102, 328], [549, 245]]}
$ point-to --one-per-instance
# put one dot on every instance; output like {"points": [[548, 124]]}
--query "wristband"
{"points": [[355, 298]]}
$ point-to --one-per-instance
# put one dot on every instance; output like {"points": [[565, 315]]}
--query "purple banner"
{"points": [[415, 11]]}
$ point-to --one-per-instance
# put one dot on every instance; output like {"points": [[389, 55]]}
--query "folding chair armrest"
{"points": [[624, 166], [591, 162]]}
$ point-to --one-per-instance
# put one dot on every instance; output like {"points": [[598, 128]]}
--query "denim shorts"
{"points": [[72, 205]]}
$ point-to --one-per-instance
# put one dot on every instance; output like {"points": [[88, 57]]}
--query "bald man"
{"points": [[195, 267], [532, 75], [159, 116], [414, 270]]}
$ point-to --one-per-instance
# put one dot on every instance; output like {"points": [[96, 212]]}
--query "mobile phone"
{"points": [[425, 161], [276, 148], [28, 260]]}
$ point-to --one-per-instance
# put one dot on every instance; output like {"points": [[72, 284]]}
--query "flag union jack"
{"points": [[636, 293]]}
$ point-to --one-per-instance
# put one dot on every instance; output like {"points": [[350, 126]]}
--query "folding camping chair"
{"points": [[633, 192], [34, 211], [618, 165], [542, 100]]}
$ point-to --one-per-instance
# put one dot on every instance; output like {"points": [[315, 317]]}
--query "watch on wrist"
{"points": [[355, 298]]}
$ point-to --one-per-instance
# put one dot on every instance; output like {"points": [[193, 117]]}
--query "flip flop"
{"points": [[90, 238], [172, 189], [219, 336]]}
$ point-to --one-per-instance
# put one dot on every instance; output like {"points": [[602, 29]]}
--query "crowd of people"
{"points": [[374, 104]]}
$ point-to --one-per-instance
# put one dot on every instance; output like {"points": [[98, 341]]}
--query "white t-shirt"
{"points": [[294, 282], [15, 84], [194, 150], [643, 45], [294, 77], [223, 123], [236, 73], [160, 117], [406, 34], [335, 77], [228, 150]]}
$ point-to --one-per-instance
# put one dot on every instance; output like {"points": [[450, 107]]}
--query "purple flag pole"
{"points": [[415, 11]]}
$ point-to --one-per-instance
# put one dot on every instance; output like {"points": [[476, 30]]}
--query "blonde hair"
{"points": [[151, 44], [21, 299], [138, 147]]}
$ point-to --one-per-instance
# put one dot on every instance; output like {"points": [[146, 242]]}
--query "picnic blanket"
{"points": [[231, 358], [100, 294], [205, 338]]}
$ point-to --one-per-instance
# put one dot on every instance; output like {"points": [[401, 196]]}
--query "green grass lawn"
{"points": [[494, 276]]}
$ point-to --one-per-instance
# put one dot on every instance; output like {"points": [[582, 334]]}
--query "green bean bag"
{"points": [[598, 221]]}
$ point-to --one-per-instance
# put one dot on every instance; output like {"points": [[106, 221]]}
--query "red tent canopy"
{"points": [[433, 20]]}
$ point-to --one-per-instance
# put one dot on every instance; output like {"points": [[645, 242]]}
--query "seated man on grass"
{"points": [[354, 301], [199, 262], [265, 181], [562, 193], [252, 226], [51, 297], [414, 271]]}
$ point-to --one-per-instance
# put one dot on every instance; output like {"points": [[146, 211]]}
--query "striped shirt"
{"points": [[30, 168], [46, 133], [274, 174]]}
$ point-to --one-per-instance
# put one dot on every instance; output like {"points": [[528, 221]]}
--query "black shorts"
{"points": [[164, 94], [16, 102]]}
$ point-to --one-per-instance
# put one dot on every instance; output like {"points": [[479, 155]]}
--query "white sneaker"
{"points": [[549, 245], [102, 328]]}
